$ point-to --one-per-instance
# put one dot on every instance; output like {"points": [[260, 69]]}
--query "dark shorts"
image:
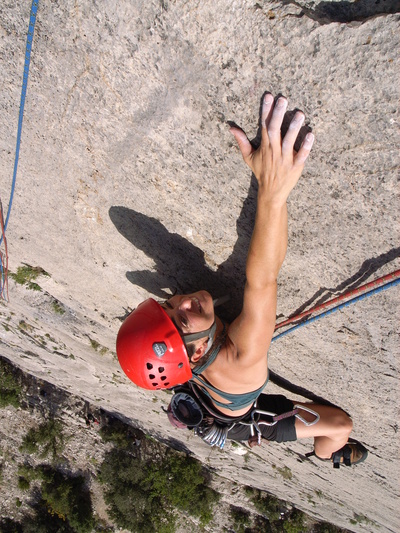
{"points": [[282, 431]]}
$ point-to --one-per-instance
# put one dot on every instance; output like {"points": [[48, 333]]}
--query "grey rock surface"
{"points": [[130, 185]]}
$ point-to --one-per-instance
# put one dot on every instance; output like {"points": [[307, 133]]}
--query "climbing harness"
{"points": [[193, 410], [4, 257], [259, 417]]}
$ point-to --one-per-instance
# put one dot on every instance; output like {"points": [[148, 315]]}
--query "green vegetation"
{"points": [[10, 390], [265, 504], [147, 486], [119, 434], [27, 474], [47, 439], [23, 483], [64, 507], [24, 326], [58, 308], [130, 505], [143, 492], [279, 519], [241, 519], [310, 500], [359, 519], [66, 498], [295, 522], [26, 275], [180, 480], [285, 472], [97, 347]]}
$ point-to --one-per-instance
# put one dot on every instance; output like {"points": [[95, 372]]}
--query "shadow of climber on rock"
{"points": [[180, 266]]}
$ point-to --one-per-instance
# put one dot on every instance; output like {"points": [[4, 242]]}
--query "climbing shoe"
{"points": [[352, 453]]}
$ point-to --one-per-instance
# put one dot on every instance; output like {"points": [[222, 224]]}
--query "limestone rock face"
{"points": [[130, 185]]}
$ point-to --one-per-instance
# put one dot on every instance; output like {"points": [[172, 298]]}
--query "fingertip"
{"points": [[234, 129], [268, 99], [304, 151], [281, 102], [238, 134], [235, 133], [308, 141]]}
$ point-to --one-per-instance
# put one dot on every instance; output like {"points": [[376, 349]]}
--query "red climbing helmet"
{"points": [[150, 349]]}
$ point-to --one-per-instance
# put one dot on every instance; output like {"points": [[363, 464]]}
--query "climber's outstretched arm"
{"points": [[277, 167]]}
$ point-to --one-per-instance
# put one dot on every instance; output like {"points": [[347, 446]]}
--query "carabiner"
{"points": [[308, 411]]}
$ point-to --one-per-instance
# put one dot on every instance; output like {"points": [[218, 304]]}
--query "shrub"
{"points": [[117, 433], [180, 481], [23, 483], [67, 498], [142, 495], [241, 519], [295, 523], [47, 438], [265, 504], [7, 525], [26, 274], [64, 505], [10, 390], [130, 504], [57, 307], [28, 472]]}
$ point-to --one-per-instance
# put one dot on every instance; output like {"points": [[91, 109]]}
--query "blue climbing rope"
{"points": [[337, 307], [29, 41]]}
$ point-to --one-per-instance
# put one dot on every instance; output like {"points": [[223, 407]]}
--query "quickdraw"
{"points": [[256, 421]]}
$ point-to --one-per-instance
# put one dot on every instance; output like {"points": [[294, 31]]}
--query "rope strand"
{"points": [[341, 306], [362, 288], [29, 41]]}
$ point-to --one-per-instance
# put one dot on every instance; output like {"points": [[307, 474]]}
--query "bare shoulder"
{"points": [[251, 332], [230, 372]]}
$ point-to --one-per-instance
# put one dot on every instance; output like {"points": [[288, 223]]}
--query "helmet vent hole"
{"points": [[149, 366], [163, 378], [155, 384], [161, 369], [152, 376], [180, 365], [166, 384]]}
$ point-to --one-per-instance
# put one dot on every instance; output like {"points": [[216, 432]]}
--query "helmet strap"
{"points": [[210, 333]]}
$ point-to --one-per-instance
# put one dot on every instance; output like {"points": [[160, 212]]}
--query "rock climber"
{"points": [[217, 370]]}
